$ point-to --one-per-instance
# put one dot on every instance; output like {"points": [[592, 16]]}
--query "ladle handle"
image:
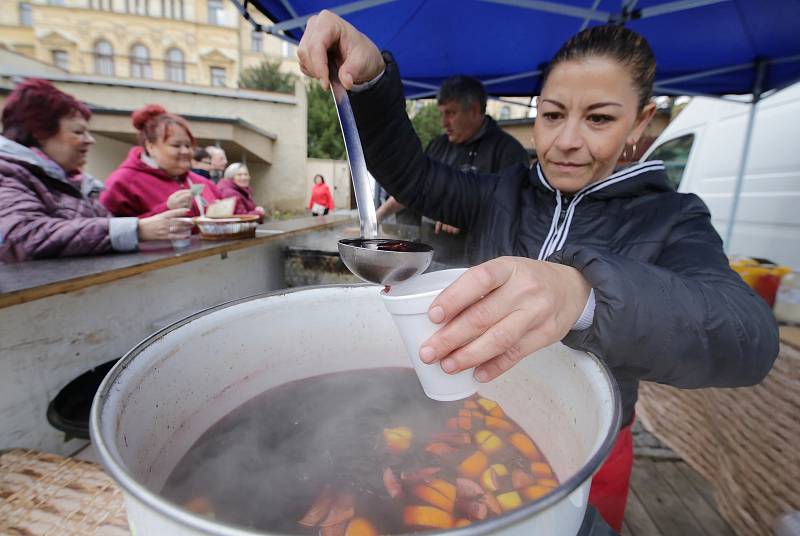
{"points": [[362, 184]]}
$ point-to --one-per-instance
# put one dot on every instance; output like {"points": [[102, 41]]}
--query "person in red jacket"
{"points": [[236, 183], [321, 201], [156, 175]]}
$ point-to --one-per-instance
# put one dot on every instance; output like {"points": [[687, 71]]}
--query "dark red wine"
{"points": [[387, 244]]}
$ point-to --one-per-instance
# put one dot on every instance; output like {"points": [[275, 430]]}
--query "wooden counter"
{"points": [[32, 280]]}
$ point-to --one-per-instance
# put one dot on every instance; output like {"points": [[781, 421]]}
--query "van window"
{"points": [[675, 154]]}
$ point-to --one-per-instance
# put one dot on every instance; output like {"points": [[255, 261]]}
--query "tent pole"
{"points": [[761, 69]]}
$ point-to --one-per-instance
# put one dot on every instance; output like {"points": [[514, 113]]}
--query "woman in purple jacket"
{"points": [[48, 206]]}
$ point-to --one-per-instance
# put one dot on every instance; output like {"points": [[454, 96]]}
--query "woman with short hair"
{"points": [[47, 206], [236, 183], [321, 201]]}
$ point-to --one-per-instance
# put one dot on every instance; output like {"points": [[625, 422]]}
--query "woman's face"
{"points": [[242, 177], [173, 153], [70, 145], [587, 112], [317, 180]]}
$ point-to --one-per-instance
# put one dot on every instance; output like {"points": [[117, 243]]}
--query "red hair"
{"points": [[34, 110], [154, 124]]}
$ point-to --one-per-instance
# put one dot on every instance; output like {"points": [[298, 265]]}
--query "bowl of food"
{"points": [[249, 419], [241, 226]]}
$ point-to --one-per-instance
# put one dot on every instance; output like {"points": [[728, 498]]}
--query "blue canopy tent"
{"points": [[703, 47]]}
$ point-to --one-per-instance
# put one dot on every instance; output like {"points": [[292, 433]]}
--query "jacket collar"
{"points": [[17, 152], [631, 181], [137, 160]]}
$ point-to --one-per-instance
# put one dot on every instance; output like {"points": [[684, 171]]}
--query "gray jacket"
{"points": [[668, 307], [44, 213]]}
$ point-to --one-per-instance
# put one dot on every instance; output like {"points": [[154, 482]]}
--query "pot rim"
{"points": [[113, 464]]}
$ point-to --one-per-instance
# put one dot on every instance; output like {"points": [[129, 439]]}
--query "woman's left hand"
{"points": [[501, 311]]}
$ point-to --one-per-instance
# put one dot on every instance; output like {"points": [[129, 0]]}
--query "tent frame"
{"points": [[627, 13]]}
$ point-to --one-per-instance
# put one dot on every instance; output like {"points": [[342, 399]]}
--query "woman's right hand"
{"points": [[359, 59], [164, 226], [180, 199]]}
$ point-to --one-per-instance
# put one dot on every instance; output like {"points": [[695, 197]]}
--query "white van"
{"points": [[702, 150]]}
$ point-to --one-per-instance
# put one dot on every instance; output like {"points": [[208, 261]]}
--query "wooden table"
{"points": [[62, 317]]}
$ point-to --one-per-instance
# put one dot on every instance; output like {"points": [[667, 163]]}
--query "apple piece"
{"points": [[199, 505], [470, 404], [468, 489], [427, 516], [491, 502], [473, 509], [445, 488], [509, 500], [319, 509], [398, 440], [440, 449], [464, 420], [488, 441], [342, 510], [359, 526], [496, 423], [426, 474], [541, 470], [521, 479], [548, 482], [461, 522], [393, 487], [498, 412], [333, 530], [525, 445], [473, 465], [534, 492]]}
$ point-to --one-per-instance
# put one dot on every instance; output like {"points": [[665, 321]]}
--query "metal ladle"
{"points": [[375, 260]]}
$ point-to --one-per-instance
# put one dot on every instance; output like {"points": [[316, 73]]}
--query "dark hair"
{"points": [[154, 123], [34, 110], [200, 154], [463, 89], [320, 178], [617, 43]]}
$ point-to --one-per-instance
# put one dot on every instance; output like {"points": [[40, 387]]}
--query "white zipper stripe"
{"points": [[553, 227], [554, 242]]}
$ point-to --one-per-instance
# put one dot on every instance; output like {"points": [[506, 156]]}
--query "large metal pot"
{"points": [[168, 390]]}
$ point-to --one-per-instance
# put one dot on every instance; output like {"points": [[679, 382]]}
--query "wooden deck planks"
{"points": [[668, 498]]}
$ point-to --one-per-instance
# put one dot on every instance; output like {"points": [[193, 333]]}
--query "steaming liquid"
{"points": [[265, 463]]}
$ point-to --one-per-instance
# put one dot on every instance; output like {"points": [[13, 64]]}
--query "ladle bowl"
{"points": [[385, 261], [373, 259]]}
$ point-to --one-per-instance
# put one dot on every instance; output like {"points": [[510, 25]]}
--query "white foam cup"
{"points": [[408, 304]]}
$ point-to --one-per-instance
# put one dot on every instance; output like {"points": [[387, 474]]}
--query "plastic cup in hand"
{"points": [[408, 304], [180, 231]]}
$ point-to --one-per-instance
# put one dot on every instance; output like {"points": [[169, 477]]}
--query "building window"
{"points": [[55, 2], [256, 41], [505, 112], [287, 49], [175, 66], [140, 62], [218, 76], [103, 5], [172, 9], [104, 58], [25, 14], [216, 12], [61, 59]]}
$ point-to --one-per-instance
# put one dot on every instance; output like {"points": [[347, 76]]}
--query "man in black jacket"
{"points": [[473, 142]]}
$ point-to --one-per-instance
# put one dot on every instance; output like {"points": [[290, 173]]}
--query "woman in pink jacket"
{"points": [[156, 174], [321, 201], [48, 206]]}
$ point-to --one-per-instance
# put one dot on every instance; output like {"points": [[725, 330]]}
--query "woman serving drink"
{"points": [[609, 261]]}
